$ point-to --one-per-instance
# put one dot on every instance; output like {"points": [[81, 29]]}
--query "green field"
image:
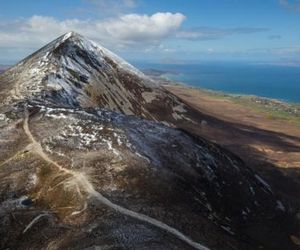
{"points": [[272, 109]]}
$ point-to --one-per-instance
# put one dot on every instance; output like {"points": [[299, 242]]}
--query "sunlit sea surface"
{"points": [[272, 81]]}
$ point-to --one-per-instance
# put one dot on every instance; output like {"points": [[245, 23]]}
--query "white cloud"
{"points": [[290, 4], [134, 28], [281, 52], [286, 51], [109, 7], [112, 3], [126, 30], [274, 37], [210, 33]]}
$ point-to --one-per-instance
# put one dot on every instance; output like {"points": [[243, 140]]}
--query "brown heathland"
{"points": [[270, 145]]}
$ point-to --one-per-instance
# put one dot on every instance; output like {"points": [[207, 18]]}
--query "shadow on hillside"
{"points": [[249, 134], [285, 184], [239, 138]]}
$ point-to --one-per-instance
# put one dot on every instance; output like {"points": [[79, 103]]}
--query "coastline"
{"points": [[270, 82], [274, 108]]}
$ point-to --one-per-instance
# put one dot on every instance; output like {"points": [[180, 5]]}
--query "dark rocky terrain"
{"points": [[81, 169]]}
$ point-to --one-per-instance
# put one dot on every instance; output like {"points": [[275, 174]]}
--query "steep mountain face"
{"points": [[72, 70], [76, 175]]}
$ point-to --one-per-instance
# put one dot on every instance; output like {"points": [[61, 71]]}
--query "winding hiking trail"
{"points": [[82, 181]]}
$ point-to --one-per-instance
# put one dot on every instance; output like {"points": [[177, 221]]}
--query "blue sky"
{"points": [[157, 30]]}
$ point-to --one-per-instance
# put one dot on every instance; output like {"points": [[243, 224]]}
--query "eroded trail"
{"points": [[82, 181]]}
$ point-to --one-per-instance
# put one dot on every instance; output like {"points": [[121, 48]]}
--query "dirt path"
{"points": [[11, 158], [82, 182], [36, 146]]}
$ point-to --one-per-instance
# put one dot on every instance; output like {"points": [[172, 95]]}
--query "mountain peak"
{"points": [[72, 33], [70, 36], [78, 71], [96, 51]]}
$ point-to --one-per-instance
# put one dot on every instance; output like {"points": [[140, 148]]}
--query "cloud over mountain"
{"points": [[125, 30]]}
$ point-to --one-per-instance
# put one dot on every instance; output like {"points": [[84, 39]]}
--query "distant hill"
{"points": [[3, 68]]}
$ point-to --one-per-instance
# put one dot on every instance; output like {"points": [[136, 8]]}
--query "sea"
{"points": [[272, 81]]}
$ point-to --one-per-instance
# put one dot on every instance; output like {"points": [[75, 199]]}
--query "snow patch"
{"points": [[279, 205], [228, 229], [263, 182], [3, 118], [32, 179], [143, 157], [57, 116], [111, 148], [180, 108]]}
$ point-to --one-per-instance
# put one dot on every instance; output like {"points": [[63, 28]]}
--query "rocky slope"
{"points": [[75, 71], [77, 175]]}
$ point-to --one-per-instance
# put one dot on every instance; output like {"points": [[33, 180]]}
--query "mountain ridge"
{"points": [[72, 111], [72, 70]]}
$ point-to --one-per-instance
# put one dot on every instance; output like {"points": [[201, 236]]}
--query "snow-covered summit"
{"points": [[73, 70], [77, 71], [98, 50]]}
